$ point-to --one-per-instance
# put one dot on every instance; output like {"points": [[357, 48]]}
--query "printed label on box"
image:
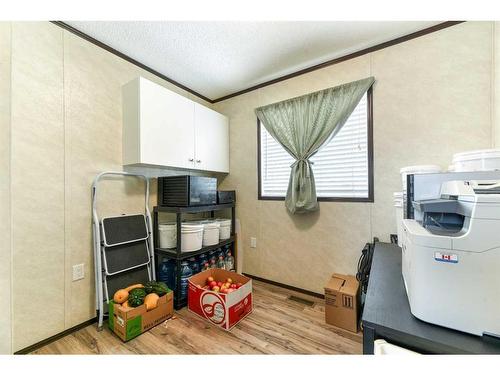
{"points": [[213, 307], [239, 310], [330, 299], [120, 321]]}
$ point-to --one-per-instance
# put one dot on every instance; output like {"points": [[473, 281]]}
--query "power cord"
{"points": [[364, 266]]}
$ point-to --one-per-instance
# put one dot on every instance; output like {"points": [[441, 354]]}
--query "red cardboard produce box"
{"points": [[223, 310]]}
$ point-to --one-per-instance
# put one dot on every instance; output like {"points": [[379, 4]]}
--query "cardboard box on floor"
{"points": [[130, 322], [223, 310], [341, 302]]}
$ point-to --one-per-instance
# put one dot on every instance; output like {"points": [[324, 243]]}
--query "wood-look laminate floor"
{"points": [[278, 325]]}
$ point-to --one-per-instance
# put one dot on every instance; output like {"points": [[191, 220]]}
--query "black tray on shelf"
{"points": [[193, 209]]}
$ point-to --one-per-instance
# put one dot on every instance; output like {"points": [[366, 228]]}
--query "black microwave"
{"points": [[186, 191]]}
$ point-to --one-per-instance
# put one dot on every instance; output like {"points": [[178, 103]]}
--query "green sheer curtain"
{"points": [[302, 125]]}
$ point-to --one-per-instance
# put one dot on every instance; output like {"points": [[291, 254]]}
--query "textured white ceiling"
{"points": [[219, 58]]}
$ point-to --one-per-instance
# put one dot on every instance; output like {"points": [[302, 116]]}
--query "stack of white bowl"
{"points": [[191, 236], [210, 232], [194, 234], [225, 228], [167, 234]]}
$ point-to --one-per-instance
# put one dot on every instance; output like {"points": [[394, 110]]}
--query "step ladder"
{"points": [[123, 247]]}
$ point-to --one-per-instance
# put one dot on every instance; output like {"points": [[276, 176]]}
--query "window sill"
{"points": [[323, 199]]}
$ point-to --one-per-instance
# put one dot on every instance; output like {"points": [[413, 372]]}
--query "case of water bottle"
{"points": [[167, 269], [222, 310]]}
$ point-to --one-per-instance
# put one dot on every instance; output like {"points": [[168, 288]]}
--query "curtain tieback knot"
{"points": [[304, 160], [297, 161]]}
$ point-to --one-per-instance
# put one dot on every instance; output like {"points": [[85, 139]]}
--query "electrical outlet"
{"points": [[78, 272], [253, 242]]}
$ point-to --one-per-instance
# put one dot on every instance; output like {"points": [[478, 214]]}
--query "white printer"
{"points": [[451, 251]]}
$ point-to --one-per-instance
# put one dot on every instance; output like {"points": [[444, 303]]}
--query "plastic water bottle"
{"points": [[221, 263], [213, 264], [186, 273], [229, 262], [163, 270], [202, 259], [212, 256], [166, 272], [220, 253], [195, 267], [227, 249]]}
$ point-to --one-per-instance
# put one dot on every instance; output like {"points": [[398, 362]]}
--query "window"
{"points": [[342, 168]]}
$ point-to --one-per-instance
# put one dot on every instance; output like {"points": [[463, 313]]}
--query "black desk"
{"points": [[387, 314]]}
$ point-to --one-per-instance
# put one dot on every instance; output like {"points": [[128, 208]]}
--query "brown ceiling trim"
{"points": [[353, 55], [127, 58]]}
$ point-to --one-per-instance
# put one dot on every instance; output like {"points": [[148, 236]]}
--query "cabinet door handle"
{"points": [[191, 159], [198, 160]]}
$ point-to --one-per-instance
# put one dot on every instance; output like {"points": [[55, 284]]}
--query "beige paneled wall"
{"points": [[5, 219], [37, 182], [66, 128], [432, 98]]}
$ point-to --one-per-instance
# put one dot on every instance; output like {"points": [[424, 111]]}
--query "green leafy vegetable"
{"points": [[157, 287], [136, 297]]}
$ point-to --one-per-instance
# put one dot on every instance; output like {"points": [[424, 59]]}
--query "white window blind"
{"points": [[340, 167]]}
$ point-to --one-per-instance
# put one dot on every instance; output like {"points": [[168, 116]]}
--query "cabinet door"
{"points": [[167, 127], [211, 140]]}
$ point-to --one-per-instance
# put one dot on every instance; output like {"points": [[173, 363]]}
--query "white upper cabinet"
{"points": [[211, 139], [163, 128]]}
